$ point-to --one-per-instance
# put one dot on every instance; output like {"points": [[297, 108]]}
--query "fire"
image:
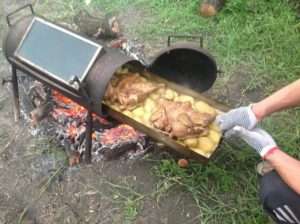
{"points": [[69, 107], [120, 133], [107, 140]]}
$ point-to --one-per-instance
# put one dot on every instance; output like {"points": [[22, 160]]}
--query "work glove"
{"points": [[257, 138], [242, 116]]}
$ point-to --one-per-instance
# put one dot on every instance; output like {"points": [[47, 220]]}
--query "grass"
{"points": [[260, 38], [261, 34], [127, 198]]}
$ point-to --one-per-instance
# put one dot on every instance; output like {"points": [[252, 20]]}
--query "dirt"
{"points": [[37, 187], [235, 90]]}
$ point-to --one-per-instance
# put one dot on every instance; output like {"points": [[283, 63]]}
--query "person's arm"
{"points": [[248, 117], [286, 166], [287, 97]]}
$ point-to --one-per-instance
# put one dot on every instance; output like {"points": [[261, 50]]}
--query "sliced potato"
{"points": [[138, 119], [170, 94], [127, 113], [149, 105], [138, 112], [206, 145], [161, 91], [146, 117], [205, 108], [155, 96], [185, 98], [191, 142], [215, 136], [215, 127]]}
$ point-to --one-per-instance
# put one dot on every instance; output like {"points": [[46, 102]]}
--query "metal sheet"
{"points": [[56, 51]]}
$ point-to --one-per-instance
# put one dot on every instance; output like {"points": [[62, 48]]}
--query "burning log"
{"points": [[210, 8], [100, 26], [121, 139]]}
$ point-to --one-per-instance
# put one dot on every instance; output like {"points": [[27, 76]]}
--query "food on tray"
{"points": [[204, 108], [205, 144], [184, 98], [191, 142], [189, 121], [179, 119], [214, 135], [149, 105], [129, 90], [170, 94]]}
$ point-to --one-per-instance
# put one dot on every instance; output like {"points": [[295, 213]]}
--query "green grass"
{"points": [[263, 35], [224, 192], [260, 38]]}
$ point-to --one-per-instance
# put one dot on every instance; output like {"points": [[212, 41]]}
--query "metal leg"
{"points": [[88, 137], [14, 80]]}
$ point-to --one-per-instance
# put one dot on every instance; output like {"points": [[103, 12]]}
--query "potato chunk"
{"points": [[205, 108], [206, 145], [185, 98], [149, 105], [138, 112], [215, 136], [191, 142], [170, 94]]}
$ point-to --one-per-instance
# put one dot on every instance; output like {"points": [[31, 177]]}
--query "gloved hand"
{"points": [[242, 116], [257, 138]]}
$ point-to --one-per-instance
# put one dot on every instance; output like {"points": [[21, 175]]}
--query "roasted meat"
{"points": [[129, 90], [180, 120]]}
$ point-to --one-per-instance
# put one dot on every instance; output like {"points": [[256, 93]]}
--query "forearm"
{"points": [[287, 167], [288, 96]]}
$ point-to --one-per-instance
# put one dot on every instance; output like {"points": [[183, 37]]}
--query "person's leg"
{"points": [[279, 201]]}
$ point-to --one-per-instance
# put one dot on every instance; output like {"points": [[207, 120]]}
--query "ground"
{"points": [[255, 44]]}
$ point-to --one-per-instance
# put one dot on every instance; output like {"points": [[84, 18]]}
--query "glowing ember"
{"points": [[121, 133], [69, 107], [67, 121]]}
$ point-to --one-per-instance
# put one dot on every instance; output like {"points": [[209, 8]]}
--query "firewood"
{"points": [[100, 26], [210, 7]]}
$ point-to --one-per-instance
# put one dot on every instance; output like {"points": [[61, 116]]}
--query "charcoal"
{"points": [[116, 151]]}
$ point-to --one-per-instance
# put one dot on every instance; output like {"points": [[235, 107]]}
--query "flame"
{"points": [[67, 108], [70, 108]]}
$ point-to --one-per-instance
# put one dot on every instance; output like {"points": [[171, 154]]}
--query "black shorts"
{"points": [[279, 200]]}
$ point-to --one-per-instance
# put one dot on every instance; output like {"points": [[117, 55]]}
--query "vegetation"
{"points": [[260, 37]]}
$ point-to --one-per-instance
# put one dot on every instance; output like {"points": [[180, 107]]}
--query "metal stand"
{"points": [[15, 86], [88, 137], [89, 121]]}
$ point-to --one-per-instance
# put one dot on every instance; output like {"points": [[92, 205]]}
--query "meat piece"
{"points": [[128, 90], [180, 120]]}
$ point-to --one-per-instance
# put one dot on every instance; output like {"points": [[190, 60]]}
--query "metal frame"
{"points": [[56, 77]]}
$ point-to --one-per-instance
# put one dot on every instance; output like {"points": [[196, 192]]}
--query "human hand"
{"points": [[242, 116], [257, 138]]}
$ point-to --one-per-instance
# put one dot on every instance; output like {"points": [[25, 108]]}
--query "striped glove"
{"points": [[258, 139], [242, 116]]}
